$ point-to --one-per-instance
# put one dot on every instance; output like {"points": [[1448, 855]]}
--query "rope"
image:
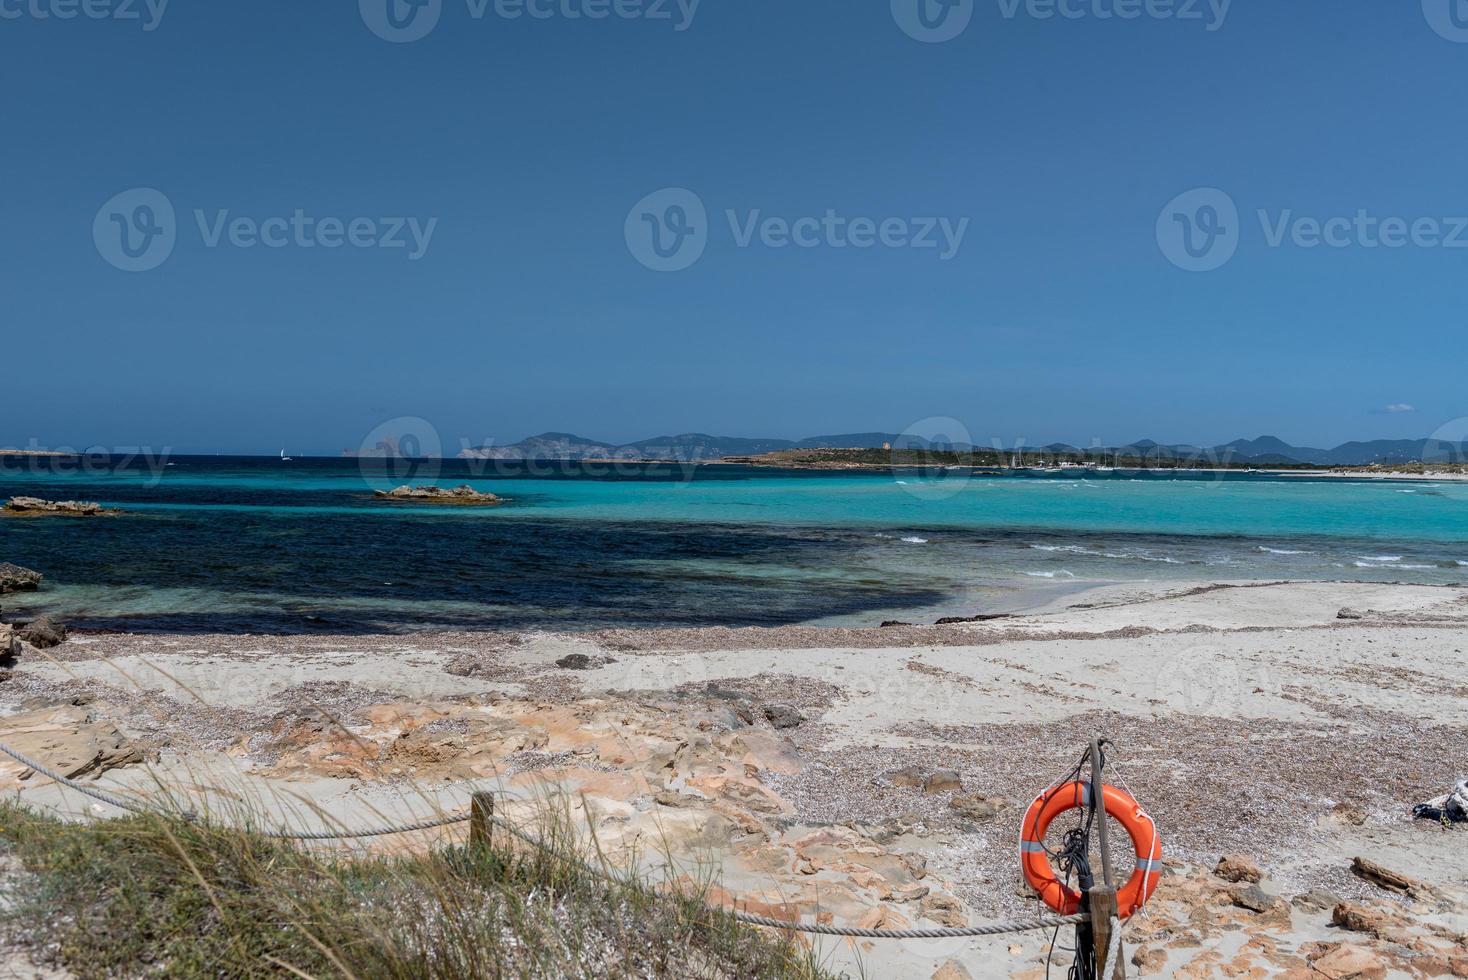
{"points": [[1113, 948], [96, 794], [991, 929], [135, 807], [373, 832]]}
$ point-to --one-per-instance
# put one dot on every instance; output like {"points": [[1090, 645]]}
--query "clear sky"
{"points": [[523, 148]]}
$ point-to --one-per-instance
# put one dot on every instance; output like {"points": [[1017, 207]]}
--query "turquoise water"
{"points": [[261, 545]]}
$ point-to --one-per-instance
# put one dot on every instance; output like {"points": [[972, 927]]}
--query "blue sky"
{"points": [[520, 148]]}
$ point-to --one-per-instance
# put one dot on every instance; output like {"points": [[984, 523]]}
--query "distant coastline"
{"points": [[889, 448], [1388, 473], [995, 464]]}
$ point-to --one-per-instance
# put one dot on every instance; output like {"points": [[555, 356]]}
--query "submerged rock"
{"points": [[13, 578], [36, 507], [464, 495]]}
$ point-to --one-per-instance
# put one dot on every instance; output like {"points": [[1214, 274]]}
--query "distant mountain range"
{"points": [[698, 446]]}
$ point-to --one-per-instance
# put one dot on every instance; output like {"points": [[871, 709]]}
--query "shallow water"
{"points": [[256, 545]]}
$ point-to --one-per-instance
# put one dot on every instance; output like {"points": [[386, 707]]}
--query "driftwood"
{"points": [[1387, 878]]}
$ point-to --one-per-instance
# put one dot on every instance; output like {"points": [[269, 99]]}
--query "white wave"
{"points": [[1051, 574], [1140, 557], [1367, 564], [1284, 551], [1075, 549], [1460, 561], [914, 539], [902, 483], [1380, 557]]}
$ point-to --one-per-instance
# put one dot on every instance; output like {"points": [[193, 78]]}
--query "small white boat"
{"points": [[284, 458]]}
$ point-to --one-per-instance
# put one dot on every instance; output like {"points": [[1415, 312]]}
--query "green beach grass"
{"points": [[160, 896]]}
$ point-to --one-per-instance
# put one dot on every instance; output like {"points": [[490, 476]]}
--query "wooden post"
{"points": [[1098, 801], [1103, 897], [481, 819], [1103, 907]]}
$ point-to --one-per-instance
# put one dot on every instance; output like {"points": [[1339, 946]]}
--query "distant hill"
{"points": [[547, 445], [1266, 450], [698, 446]]}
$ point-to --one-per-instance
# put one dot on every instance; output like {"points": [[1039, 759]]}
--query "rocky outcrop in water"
{"points": [[36, 507], [13, 578], [461, 495]]}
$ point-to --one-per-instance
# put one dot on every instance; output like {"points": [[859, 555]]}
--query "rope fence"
{"points": [[988, 929]]}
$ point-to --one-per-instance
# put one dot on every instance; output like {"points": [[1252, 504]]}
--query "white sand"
{"points": [[1269, 653]]}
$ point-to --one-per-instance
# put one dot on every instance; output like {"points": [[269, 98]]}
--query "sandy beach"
{"points": [[1429, 476], [1295, 724]]}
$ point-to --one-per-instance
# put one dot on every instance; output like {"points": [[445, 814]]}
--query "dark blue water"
{"points": [[250, 545]]}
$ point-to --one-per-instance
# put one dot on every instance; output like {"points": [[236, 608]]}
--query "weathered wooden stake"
{"points": [[1103, 907], [1103, 898], [481, 819]]}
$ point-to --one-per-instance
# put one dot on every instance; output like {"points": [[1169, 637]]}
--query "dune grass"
{"points": [[155, 895]]}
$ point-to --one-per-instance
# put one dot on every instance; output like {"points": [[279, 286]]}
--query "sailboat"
{"points": [[283, 457]]}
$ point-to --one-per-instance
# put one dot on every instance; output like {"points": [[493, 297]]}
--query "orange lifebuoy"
{"points": [[1120, 806]]}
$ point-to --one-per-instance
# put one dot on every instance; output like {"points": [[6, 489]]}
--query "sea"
{"points": [[252, 545]]}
